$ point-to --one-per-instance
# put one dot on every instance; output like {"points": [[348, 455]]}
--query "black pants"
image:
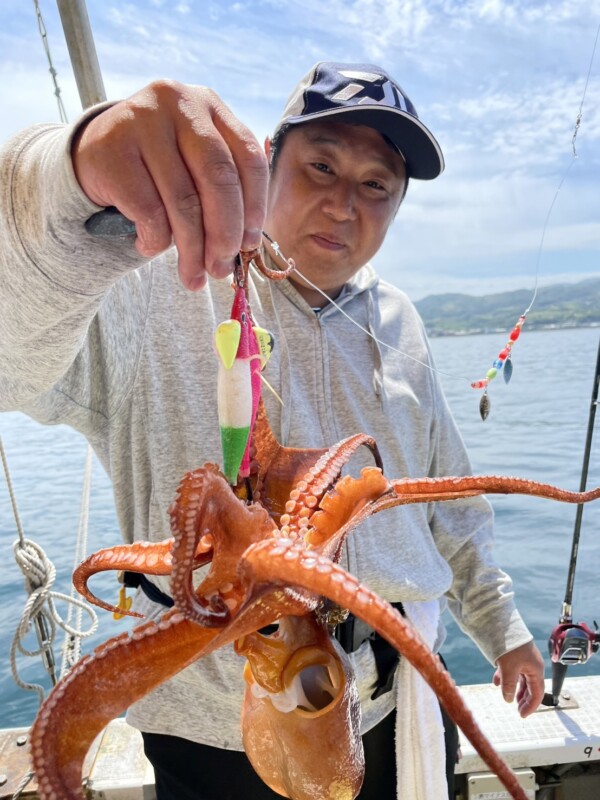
{"points": [[186, 770]]}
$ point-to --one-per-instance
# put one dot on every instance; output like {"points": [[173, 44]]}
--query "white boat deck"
{"points": [[563, 735], [118, 770]]}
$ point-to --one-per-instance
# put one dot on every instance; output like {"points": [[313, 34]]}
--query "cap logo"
{"points": [[368, 87]]}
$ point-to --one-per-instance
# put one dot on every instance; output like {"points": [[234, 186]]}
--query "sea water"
{"points": [[536, 429]]}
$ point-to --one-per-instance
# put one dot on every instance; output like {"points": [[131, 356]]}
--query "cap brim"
{"points": [[419, 147]]}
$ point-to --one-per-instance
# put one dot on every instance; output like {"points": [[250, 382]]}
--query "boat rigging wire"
{"points": [[39, 609], [52, 70]]}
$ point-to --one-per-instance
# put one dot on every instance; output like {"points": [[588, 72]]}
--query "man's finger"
{"points": [[183, 209], [253, 169], [230, 172], [508, 691]]}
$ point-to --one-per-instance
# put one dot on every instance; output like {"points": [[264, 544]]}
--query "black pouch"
{"points": [[386, 656]]}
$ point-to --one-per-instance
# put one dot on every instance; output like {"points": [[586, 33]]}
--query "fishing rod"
{"points": [[574, 643]]}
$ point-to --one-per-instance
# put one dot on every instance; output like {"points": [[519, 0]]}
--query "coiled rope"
{"points": [[40, 611]]}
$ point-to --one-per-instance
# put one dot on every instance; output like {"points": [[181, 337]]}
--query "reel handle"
{"points": [[110, 224]]}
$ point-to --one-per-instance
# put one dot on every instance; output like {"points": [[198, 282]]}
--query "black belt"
{"points": [[133, 580], [386, 656]]}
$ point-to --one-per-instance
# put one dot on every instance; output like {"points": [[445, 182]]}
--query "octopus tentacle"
{"points": [[353, 500], [273, 274], [279, 467], [189, 528], [206, 509], [287, 562], [285, 470], [150, 558], [425, 490], [99, 688], [308, 492], [349, 502], [257, 575]]}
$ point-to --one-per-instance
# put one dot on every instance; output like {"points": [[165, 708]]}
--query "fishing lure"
{"points": [[243, 349], [502, 363]]}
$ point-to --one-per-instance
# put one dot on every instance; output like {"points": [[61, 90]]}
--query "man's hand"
{"points": [[520, 673], [174, 160]]}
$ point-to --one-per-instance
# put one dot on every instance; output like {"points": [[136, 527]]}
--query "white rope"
{"points": [[40, 612], [71, 652], [22, 785]]}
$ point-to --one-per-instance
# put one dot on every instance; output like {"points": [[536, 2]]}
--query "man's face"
{"points": [[335, 190]]}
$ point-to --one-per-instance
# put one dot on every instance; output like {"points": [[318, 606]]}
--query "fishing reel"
{"points": [[571, 643]]}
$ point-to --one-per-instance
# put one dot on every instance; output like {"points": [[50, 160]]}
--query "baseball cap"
{"points": [[365, 94]]}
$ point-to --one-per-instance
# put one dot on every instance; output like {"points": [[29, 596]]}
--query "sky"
{"points": [[499, 82]]}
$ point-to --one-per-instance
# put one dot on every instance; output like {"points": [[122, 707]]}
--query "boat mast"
{"points": [[82, 51]]}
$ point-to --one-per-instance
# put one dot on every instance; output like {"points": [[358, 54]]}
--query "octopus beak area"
{"points": [[301, 716], [311, 682]]}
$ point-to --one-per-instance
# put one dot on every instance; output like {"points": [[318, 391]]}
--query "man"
{"points": [[103, 336]]}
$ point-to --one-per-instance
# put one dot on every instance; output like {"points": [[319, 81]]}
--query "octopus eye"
{"points": [[243, 317]]}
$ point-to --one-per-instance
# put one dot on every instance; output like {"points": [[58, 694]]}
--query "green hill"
{"points": [[565, 305]]}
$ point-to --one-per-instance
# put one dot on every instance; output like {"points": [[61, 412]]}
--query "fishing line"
{"points": [[277, 251], [564, 177]]}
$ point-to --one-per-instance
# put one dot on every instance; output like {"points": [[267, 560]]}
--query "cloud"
{"points": [[461, 231]]}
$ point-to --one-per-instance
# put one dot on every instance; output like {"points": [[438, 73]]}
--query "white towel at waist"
{"points": [[420, 749]]}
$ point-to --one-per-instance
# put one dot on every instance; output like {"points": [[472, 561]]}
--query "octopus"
{"points": [[272, 545]]}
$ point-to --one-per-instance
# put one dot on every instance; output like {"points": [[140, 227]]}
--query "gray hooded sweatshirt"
{"points": [[95, 337]]}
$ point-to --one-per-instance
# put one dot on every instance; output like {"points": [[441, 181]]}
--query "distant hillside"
{"points": [[565, 305]]}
